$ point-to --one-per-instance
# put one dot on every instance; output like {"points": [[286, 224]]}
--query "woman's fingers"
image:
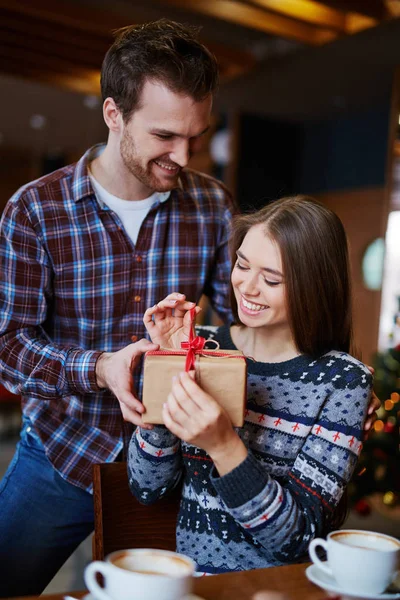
{"points": [[182, 309], [174, 305], [170, 301], [193, 391], [186, 314], [171, 424], [178, 400]]}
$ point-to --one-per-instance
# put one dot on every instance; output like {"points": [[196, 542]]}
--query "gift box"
{"points": [[220, 373]]}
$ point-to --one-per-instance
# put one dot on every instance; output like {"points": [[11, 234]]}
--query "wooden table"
{"points": [[242, 585], [290, 580]]}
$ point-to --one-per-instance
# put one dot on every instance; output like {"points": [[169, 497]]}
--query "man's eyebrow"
{"points": [[173, 133], [273, 271]]}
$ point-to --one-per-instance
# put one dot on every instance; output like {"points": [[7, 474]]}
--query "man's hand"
{"points": [[114, 371], [373, 406]]}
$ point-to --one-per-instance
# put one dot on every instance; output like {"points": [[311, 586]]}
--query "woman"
{"points": [[256, 496]]}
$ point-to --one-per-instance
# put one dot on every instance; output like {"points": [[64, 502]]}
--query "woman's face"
{"points": [[258, 281]]}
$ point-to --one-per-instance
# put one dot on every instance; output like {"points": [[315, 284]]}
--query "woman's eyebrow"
{"points": [[273, 271]]}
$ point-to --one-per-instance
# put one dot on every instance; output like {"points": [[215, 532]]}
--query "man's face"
{"points": [[162, 135]]}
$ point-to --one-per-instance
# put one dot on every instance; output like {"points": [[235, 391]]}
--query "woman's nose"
{"points": [[249, 285]]}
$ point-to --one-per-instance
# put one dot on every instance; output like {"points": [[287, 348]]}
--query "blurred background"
{"points": [[309, 103]]}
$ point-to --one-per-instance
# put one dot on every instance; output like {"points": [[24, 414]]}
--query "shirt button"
{"points": [[138, 259], [134, 338], [28, 429], [137, 298]]}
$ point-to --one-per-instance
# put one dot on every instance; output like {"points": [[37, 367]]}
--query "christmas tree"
{"points": [[378, 469]]}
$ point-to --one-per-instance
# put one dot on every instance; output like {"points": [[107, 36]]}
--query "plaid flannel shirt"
{"points": [[72, 285]]}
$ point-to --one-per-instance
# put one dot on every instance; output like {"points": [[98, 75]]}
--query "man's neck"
{"points": [[113, 176]]}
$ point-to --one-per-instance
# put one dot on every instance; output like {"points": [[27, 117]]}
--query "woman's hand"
{"points": [[196, 418], [168, 322]]}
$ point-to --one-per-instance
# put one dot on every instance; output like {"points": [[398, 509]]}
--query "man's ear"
{"points": [[112, 115]]}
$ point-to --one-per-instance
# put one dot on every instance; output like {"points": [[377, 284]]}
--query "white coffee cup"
{"points": [[360, 561], [141, 574]]}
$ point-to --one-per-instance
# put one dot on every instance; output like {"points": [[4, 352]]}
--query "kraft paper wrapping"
{"points": [[224, 378]]}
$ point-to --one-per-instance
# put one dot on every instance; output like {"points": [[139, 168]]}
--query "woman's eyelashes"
{"points": [[272, 283], [243, 267]]}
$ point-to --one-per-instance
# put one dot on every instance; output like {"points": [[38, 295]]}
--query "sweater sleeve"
{"points": [[154, 463], [284, 516]]}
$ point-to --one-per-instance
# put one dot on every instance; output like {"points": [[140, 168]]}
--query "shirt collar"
{"points": [[81, 184]]}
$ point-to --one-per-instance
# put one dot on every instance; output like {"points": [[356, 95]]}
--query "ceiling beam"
{"points": [[78, 17], [393, 7], [81, 82], [22, 25], [356, 22], [43, 48], [42, 28], [318, 15], [45, 62], [375, 9], [256, 18], [306, 11]]}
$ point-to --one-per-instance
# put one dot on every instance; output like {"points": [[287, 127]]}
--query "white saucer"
{"points": [[190, 597], [327, 583]]}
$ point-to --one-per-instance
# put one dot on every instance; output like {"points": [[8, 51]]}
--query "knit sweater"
{"points": [[303, 430]]}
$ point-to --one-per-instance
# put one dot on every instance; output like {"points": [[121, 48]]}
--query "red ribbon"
{"points": [[193, 345]]}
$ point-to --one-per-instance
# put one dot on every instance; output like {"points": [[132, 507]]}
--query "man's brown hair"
{"points": [[163, 51], [314, 251]]}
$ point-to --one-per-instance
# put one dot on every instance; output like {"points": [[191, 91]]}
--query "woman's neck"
{"points": [[264, 344]]}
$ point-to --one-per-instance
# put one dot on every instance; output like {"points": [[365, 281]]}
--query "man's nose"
{"points": [[181, 153]]}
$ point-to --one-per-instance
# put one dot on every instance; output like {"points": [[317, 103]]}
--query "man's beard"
{"points": [[132, 162]]}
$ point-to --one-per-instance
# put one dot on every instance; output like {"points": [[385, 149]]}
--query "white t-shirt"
{"points": [[131, 212]]}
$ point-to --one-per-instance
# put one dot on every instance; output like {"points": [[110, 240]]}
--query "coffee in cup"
{"points": [[360, 561], [141, 574]]}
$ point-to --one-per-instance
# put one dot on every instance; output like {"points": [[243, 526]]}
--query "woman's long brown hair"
{"points": [[314, 251]]}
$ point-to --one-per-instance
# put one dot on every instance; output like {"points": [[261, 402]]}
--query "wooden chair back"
{"points": [[121, 522]]}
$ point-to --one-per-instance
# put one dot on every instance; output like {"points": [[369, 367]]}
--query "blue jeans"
{"points": [[43, 519]]}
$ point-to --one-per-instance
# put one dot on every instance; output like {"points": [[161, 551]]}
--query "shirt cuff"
{"points": [[80, 369], [241, 484]]}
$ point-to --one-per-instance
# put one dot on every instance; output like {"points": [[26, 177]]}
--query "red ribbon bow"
{"points": [[193, 345]]}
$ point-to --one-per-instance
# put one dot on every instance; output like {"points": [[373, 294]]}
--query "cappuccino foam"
{"points": [[367, 541], [152, 563]]}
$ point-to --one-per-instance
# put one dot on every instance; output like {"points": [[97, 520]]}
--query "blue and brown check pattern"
{"points": [[72, 285]]}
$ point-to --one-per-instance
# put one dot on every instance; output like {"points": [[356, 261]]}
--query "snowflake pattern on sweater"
{"points": [[303, 430]]}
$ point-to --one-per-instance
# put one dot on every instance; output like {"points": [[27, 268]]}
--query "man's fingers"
{"points": [[133, 417], [375, 404], [129, 402], [139, 348], [132, 410]]}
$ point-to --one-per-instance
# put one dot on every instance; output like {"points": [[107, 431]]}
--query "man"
{"points": [[84, 251]]}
